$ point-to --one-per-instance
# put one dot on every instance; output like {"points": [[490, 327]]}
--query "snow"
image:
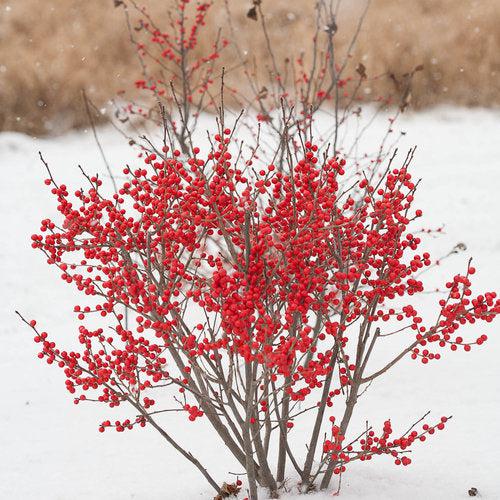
{"points": [[50, 448]]}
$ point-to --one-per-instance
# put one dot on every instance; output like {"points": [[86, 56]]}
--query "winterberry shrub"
{"points": [[253, 298], [185, 71]]}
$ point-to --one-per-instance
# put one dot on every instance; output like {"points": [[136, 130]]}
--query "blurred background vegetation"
{"points": [[51, 50]]}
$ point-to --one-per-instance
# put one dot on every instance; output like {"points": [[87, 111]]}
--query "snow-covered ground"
{"points": [[50, 448]]}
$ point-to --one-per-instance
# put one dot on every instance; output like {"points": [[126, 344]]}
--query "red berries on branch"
{"points": [[245, 289]]}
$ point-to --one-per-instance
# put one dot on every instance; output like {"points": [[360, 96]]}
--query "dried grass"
{"points": [[51, 50]]}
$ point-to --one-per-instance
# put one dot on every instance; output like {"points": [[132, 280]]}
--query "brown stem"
{"points": [[351, 402], [313, 443], [247, 439]]}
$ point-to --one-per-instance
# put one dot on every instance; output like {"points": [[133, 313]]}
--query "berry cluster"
{"points": [[296, 279]]}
